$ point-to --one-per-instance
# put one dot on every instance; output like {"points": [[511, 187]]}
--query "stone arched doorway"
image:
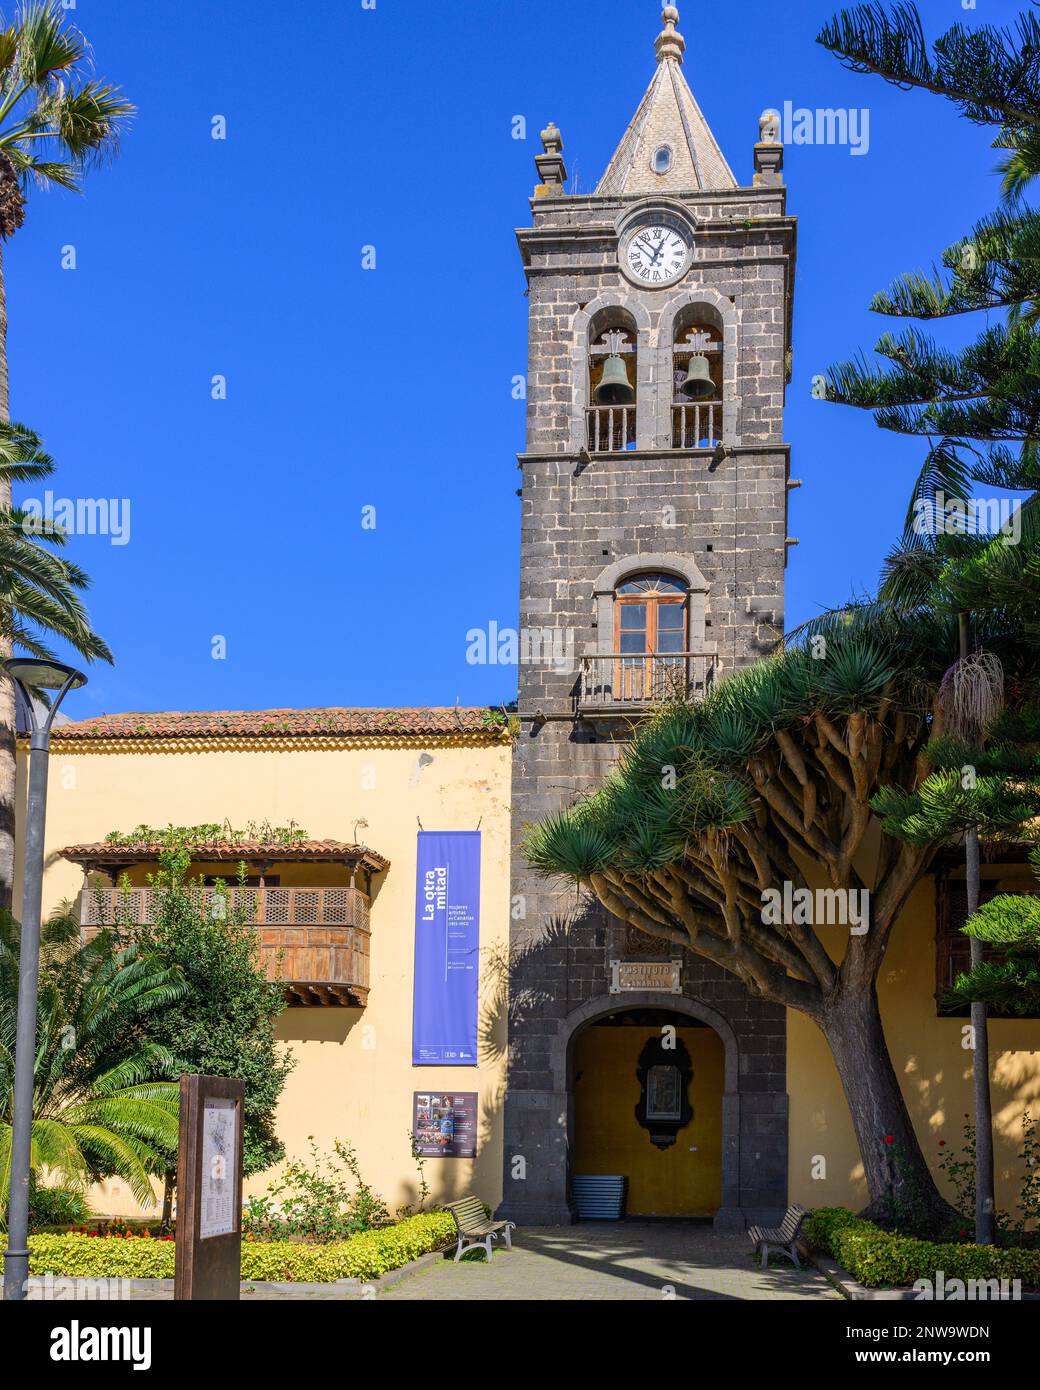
{"points": [[647, 1088], [728, 1215], [539, 1098]]}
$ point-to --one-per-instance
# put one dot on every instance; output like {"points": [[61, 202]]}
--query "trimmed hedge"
{"points": [[93, 1257], [876, 1257], [363, 1256]]}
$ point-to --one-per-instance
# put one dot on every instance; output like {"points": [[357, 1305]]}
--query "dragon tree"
{"points": [[768, 783]]}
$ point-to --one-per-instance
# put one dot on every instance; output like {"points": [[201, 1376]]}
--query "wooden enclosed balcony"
{"points": [[624, 684], [316, 940]]}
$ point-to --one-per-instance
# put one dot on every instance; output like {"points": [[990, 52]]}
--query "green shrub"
{"points": [[81, 1256], [324, 1200], [822, 1226], [57, 1206], [364, 1256], [876, 1257]]}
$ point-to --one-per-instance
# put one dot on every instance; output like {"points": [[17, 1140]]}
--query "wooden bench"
{"points": [[474, 1230], [780, 1239]]}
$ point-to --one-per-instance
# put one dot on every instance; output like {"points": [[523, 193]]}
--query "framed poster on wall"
{"points": [[445, 1123]]}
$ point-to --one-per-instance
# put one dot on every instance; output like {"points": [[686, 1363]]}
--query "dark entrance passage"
{"points": [[648, 1105]]}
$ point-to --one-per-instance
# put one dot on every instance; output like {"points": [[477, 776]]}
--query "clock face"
{"points": [[656, 254]]}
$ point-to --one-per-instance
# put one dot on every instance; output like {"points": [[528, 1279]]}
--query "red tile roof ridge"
{"points": [[274, 723]]}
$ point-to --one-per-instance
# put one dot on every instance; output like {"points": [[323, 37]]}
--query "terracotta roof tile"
{"points": [[277, 723], [216, 851]]}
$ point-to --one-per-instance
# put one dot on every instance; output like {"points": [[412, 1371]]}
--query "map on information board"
{"points": [[218, 1198]]}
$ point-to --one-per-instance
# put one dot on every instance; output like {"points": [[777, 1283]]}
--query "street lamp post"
{"points": [[29, 674]]}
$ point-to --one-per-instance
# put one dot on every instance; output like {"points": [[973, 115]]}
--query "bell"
{"points": [[614, 387], [698, 385]]}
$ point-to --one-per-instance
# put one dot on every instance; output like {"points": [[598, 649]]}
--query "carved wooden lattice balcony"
{"points": [[316, 940]]}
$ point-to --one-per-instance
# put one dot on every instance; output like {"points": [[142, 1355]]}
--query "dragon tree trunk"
{"points": [[898, 1179]]}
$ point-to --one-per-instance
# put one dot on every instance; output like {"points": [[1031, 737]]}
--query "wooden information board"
{"points": [[209, 1189]]}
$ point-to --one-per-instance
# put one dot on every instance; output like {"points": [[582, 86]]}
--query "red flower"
{"points": [[889, 1138], [942, 1143]]}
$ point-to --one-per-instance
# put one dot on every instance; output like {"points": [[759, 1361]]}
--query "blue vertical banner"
{"points": [[447, 942]]}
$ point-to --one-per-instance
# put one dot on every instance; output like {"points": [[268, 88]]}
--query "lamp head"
{"points": [[39, 674]]}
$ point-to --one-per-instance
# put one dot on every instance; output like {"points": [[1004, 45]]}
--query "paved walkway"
{"points": [[616, 1260], [590, 1261]]}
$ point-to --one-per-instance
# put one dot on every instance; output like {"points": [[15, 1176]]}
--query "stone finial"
{"points": [[552, 140], [552, 172], [769, 127], [670, 44], [769, 152]]}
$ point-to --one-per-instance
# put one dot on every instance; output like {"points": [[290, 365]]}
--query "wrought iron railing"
{"points": [[623, 681]]}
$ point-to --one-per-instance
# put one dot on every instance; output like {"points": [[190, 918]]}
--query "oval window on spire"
{"points": [[662, 159]]}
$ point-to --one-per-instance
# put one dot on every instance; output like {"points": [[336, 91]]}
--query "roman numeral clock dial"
{"points": [[656, 254]]}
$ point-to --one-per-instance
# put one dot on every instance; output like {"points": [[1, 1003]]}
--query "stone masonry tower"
{"points": [[655, 482]]}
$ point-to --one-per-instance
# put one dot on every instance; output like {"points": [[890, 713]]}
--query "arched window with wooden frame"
{"points": [[650, 620], [651, 637]]}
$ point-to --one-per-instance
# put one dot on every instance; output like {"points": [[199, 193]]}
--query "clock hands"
{"points": [[660, 244], [650, 257]]}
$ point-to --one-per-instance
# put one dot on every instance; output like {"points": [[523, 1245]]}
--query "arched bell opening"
{"points": [[612, 381], [697, 375]]}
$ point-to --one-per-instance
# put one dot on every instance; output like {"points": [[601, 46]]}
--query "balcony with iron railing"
{"points": [[624, 684], [314, 940]]}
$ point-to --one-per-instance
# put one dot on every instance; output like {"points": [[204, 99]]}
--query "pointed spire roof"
{"points": [[668, 116]]}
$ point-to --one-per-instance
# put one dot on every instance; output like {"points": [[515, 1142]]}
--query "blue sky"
{"points": [[392, 388]]}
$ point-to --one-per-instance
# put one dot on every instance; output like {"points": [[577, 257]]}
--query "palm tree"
{"points": [[39, 597], [102, 1107], [39, 590], [55, 124]]}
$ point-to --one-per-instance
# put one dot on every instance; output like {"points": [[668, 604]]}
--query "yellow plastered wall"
{"points": [[682, 1180], [354, 1079], [933, 1067]]}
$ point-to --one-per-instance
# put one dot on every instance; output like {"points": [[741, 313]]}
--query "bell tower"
{"points": [[654, 539]]}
